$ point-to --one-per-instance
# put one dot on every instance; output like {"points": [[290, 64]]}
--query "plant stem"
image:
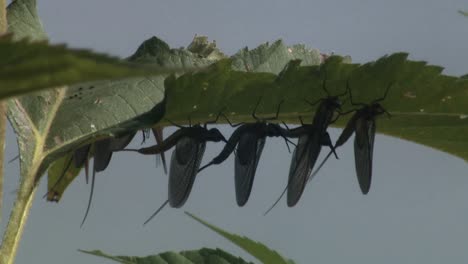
{"points": [[27, 188], [3, 108], [18, 218], [3, 113], [3, 18]]}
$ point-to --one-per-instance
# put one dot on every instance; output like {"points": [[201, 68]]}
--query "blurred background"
{"points": [[416, 211]]}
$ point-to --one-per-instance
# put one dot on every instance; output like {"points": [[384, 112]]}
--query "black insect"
{"points": [[310, 144], [363, 123], [250, 140], [81, 158], [190, 145], [311, 139]]}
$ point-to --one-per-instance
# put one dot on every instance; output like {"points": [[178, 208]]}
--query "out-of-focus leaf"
{"points": [[32, 66], [464, 13], [256, 249], [201, 256]]}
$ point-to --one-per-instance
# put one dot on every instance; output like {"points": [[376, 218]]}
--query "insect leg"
{"points": [[174, 124], [229, 122], [326, 141], [157, 211], [276, 202], [90, 195], [13, 159], [348, 88], [320, 166], [385, 94]]}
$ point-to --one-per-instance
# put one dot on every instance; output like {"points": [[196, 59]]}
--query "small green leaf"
{"points": [[464, 13], [61, 173], [256, 249], [201, 256]]}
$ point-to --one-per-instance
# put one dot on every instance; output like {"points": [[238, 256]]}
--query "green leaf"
{"points": [[256, 249], [61, 173], [426, 106], [464, 13], [201, 256], [273, 58], [31, 66]]}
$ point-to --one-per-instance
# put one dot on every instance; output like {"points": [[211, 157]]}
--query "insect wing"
{"points": [[81, 155], [185, 162], [102, 154], [249, 150], [120, 143], [363, 150], [301, 166]]}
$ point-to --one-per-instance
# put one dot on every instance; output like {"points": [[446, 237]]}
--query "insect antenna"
{"points": [[90, 194]]}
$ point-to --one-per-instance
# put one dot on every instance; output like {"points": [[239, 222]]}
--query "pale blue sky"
{"points": [[416, 211]]}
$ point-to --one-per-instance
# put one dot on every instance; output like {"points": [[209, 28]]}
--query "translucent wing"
{"points": [[363, 150], [185, 162], [249, 150], [304, 157]]}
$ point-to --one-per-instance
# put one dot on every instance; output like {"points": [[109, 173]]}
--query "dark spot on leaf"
{"points": [[91, 87], [81, 88]]}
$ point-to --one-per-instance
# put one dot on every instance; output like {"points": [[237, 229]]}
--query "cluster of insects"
{"points": [[247, 142]]}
